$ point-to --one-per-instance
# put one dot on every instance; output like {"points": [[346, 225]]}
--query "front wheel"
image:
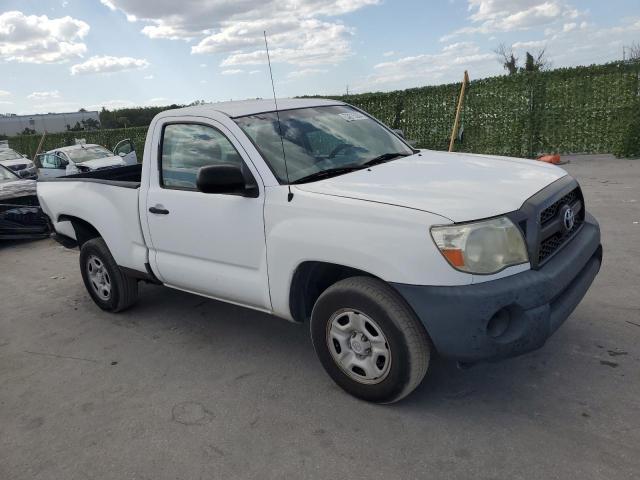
{"points": [[369, 341], [107, 284]]}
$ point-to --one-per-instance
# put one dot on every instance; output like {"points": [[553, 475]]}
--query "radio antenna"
{"points": [[275, 100]]}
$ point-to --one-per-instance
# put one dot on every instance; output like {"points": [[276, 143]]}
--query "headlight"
{"points": [[482, 247]]}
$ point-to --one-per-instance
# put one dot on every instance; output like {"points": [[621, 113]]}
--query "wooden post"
{"points": [[458, 110], [40, 145]]}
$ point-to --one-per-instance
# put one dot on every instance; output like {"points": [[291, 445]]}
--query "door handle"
{"points": [[159, 211]]}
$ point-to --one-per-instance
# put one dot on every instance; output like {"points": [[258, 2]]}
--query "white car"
{"points": [[18, 163], [84, 158], [391, 254]]}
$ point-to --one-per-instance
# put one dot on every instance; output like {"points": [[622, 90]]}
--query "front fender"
{"points": [[386, 241]]}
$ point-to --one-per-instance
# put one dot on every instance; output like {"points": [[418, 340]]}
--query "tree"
{"points": [[633, 52], [82, 110], [28, 131], [76, 128], [507, 58], [90, 124], [533, 62]]}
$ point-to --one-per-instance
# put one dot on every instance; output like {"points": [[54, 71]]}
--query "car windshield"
{"points": [[6, 175], [85, 154], [9, 154], [320, 140]]}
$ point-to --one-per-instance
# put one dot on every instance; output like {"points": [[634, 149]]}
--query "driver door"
{"points": [[126, 150], [206, 243], [50, 165]]}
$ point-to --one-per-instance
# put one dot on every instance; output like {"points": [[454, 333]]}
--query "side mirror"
{"points": [[399, 132], [122, 154], [227, 179]]}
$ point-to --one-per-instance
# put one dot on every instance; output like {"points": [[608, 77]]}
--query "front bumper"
{"points": [[513, 315]]}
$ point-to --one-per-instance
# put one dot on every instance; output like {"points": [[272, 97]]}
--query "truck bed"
{"points": [[127, 177], [105, 199]]}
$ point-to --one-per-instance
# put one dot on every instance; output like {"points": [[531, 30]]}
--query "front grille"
{"points": [[553, 235], [550, 212], [549, 246]]}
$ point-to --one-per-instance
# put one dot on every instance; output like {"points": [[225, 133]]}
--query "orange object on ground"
{"points": [[555, 159]]}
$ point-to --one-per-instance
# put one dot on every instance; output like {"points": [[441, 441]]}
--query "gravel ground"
{"points": [[182, 387]]}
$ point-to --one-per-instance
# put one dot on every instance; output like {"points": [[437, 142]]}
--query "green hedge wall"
{"points": [[109, 138], [592, 109]]}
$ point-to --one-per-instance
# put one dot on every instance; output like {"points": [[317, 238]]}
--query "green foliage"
{"points": [[109, 138], [131, 117], [592, 109]]}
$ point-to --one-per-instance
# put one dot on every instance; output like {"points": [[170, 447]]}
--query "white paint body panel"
{"points": [[444, 183], [246, 250], [111, 210]]}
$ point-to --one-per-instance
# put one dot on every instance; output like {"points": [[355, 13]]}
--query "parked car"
{"points": [[85, 158], [20, 213], [392, 254], [18, 163]]}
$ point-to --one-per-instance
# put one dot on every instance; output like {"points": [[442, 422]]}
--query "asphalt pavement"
{"points": [[181, 387]]}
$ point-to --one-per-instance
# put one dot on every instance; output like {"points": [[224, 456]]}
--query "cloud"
{"points": [[236, 28], [305, 72], [533, 44], [233, 71], [107, 64], [111, 105], [40, 39], [148, 77], [4, 93], [44, 95], [390, 53], [445, 66], [491, 16]]}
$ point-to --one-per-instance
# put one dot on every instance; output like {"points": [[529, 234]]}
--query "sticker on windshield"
{"points": [[353, 116]]}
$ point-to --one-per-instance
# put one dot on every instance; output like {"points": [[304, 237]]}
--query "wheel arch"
{"points": [[84, 230], [310, 279]]}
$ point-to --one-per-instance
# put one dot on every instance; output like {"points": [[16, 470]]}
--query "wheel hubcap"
{"points": [[99, 277], [358, 346]]}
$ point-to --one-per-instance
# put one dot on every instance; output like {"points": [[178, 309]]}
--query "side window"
{"points": [[187, 147], [48, 160]]}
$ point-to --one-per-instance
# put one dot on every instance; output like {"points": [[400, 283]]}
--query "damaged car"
{"points": [[20, 213]]}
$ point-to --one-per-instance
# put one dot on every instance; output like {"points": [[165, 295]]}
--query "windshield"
{"points": [[88, 153], [8, 154], [6, 175], [320, 139]]}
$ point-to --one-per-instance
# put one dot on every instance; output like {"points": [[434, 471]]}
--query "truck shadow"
{"points": [[185, 321]]}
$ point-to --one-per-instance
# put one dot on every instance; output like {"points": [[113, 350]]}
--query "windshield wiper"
{"points": [[385, 157], [331, 172]]}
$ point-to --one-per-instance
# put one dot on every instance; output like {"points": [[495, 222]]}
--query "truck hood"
{"points": [[115, 161], [458, 186]]}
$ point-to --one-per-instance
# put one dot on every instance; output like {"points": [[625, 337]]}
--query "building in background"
{"points": [[11, 125]]}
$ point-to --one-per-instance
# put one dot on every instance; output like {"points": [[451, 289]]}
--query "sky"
{"points": [[63, 55]]}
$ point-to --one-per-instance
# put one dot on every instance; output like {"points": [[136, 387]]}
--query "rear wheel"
{"points": [[369, 340], [108, 286]]}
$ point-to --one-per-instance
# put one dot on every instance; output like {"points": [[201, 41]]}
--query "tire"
{"points": [[107, 284], [391, 357]]}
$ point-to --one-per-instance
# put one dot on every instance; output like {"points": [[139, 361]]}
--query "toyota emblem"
{"points": [[569, 219]]}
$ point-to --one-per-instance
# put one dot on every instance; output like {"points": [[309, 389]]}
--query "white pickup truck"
{"points": [[392, 254]]}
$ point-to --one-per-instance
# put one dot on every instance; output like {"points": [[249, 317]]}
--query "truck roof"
{"points": [[251, 107]]}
